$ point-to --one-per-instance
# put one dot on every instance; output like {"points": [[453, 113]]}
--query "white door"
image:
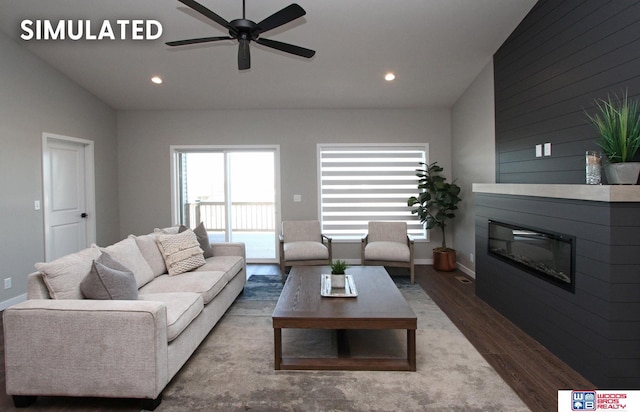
{"points": [[69, 224]]}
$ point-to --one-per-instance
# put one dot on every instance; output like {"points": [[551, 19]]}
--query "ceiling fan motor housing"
{"points": [[245, 29]]}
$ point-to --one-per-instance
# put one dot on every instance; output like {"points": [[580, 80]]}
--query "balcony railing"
{"points": [[245, 216]]}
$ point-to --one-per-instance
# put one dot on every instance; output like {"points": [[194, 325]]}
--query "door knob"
{"points": [[84, 215]]}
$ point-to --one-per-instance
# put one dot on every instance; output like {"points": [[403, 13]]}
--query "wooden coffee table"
{"points": [[379, 305]]}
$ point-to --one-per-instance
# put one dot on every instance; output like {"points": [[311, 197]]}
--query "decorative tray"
{"points": [[349, 290]]}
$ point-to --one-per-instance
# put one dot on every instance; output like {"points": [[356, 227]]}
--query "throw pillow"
{"points": [[149, 249], [181, 252], [203, 238], [128, 253], [63, 275], [109, 279]]}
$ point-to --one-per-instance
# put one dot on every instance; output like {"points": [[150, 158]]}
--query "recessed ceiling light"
{"points": [[389, 76], [156, 79]]}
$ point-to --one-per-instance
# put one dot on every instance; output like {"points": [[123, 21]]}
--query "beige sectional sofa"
{"points": [[59, 343]]}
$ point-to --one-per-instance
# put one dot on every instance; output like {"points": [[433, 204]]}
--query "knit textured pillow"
{"points": [[181, 252], [203, 238]]}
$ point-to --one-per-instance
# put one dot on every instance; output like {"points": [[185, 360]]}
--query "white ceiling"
{"points": [[435, 47]]}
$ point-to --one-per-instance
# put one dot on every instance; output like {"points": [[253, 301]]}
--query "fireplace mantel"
{"points": [[595, 193]]}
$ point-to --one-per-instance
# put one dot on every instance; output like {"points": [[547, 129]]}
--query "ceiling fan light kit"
{"points": [[245, 31]]}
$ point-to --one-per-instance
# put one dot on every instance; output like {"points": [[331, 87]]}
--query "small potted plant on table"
{"points": [[435, 205], [337, 273]]}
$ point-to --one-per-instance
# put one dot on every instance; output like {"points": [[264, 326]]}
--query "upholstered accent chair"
{"points": [[302, 244], [388, 244]]}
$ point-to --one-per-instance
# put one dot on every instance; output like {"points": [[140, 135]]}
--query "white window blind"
{"points": [[361, 183]]}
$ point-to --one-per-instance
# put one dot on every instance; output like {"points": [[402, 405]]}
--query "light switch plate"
{"points": [[547, 149], [538, 150], [297, 198]]}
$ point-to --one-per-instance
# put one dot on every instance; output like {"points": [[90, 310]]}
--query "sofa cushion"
{"points": [[203, 238], [63, 275], [207, 284], [109, 279], [182, 309], [305, 251], [127, 252], [231, 265], [393, 251], [149, 249], [181, 252], [172, 230]]}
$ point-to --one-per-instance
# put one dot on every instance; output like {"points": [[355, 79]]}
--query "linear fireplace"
{"points": [[549, 256]]}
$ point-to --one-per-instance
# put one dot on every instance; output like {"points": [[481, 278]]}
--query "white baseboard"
{"points": [[463, 268], [467, 270], [13, 301], [358, 262]]}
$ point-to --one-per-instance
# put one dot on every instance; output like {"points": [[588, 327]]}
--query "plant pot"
{"points": [[444, 260], [337, 281], [622, 173]]}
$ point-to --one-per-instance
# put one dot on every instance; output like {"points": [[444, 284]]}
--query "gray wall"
{"points": [[473, 156], [144, 140], [34, 99]]}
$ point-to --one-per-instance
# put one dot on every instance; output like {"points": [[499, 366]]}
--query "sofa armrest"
{"points": [[229, 249], [86, 348]]}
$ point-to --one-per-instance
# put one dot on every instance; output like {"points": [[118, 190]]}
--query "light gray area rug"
{"points": [[233, 368]]}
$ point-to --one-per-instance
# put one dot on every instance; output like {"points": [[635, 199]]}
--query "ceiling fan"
{"points": [[245, 31]]}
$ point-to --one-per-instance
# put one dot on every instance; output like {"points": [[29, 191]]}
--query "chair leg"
{"points": [[412, 274]]}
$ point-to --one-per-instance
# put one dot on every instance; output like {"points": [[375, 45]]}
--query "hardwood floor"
{"points": [[533, 372], [526, 366]]}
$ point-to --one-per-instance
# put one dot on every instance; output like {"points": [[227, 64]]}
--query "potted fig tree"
{"points": [[435, 205], [617, 121]]}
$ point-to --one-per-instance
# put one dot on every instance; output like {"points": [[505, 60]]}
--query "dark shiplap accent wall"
{"points": [[562, 56], [595, 330]]}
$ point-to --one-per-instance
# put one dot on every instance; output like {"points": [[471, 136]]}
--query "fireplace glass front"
{"points": [[549, 256]]}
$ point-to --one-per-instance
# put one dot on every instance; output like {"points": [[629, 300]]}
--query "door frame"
{"points": [[175, 151], [89, 179]]}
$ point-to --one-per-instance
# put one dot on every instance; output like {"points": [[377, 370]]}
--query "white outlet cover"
{"points": [[547, 149], [538, 150]]}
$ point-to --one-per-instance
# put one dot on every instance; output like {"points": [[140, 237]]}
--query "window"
{"points": [[362, 183]]}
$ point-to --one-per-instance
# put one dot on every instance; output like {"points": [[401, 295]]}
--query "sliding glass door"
{"points": [[233, 192]]}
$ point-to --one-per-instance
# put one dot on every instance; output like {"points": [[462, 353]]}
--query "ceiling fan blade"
{"points": [[287, 48], [284, 16], [207, 13], [196, 41], [244, 55]]}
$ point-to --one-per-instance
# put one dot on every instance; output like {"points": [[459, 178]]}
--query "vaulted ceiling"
{"points": [[435, 47]]}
